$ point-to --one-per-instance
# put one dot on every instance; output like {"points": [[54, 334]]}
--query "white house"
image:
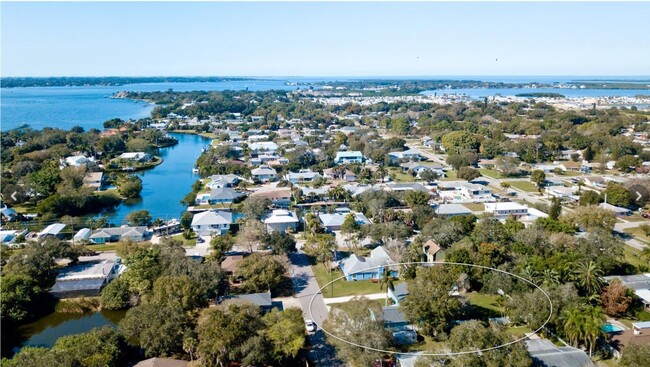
{"points": [[52, 230], [135, 156], [617, 210], [77, 161], [334, 221], [263, 147], [280, 220], [353, 156], [264, 173], [304, 175], [411, 154], [420, 168], [505, 210], [463, 192], [211, 223]]}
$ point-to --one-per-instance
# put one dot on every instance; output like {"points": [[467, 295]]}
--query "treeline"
{"points": [[14, 82]]}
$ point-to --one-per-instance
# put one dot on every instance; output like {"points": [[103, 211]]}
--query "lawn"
{"points": [[637, 233], [100, 248], [523, 186], [400, 176], [490, 173], [191, 242], [632, 256], [449, 176], [475, 207], [342, 287], [636, 217]]}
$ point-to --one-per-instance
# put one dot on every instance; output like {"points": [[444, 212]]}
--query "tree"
{"points": [[321, 246], [430, 304], [429, 175], [635, 356], [505, 185], [456, 161], [286, 332], [139, 218], [507, 166], [617, 194], [44, 181], [116, 295], [255, 206], [223, 331], [556, 208], [20, 295], [615, 298], [186, 220], [358, 321], [538, 177], [457, 141], [338, 193], [583, 325], [627, 163], [130, 186], [158, 329], [250, 234], [387, 281], [414, 198], [591, 217], [589, 197], [472, 335], [96, 348], [220, 245], [280, 243], [589, 277], [178, 292], [261, 273], [468, 173]]}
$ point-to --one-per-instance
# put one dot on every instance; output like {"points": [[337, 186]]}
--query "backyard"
{"points": [[342, 287], [523, 185]]}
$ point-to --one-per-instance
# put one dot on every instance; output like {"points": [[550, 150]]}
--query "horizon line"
{"points": [[331, 76]]}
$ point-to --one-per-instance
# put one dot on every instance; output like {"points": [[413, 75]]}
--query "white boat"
{"points": [[195, 170]]}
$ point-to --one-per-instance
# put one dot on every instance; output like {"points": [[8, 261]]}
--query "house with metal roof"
{"points": [[372, 267], [304, 175], [82, 235], [420, 168], [85, 279], [220, 195], [334, 221], [263, 147], [353, 156], [228, 180], [451, 210], [263, 300], [264, 173], [546, 354], [53, 230], [410, 154], [104, 235], [211, 223], [281, 220], [407, 186], [617, 210]]}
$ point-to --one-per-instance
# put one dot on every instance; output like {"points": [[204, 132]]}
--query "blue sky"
{"points": [[324, 39]]}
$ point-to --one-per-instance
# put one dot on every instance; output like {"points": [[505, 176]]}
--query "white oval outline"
{"points": [[526, 336]]}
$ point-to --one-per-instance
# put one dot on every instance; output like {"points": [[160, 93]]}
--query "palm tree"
{"points": [[529, 273], [573, 325], [592, 328], [549, 277], [338, 193], [387, 279], [589, 277]]}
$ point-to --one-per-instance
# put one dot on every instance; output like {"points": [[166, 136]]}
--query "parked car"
{"points": [[200, 240], [310, 325], [645, 215]]}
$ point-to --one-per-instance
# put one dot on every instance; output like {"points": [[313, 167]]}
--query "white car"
{"points": [[310, 325]]}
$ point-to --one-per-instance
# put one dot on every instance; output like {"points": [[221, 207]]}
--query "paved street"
{"points": [[305, 285]]}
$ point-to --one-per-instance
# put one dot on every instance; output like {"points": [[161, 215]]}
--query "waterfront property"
{"points": [[333, 222], [210, 223], [133, 234], [220, 195], [372, 267], [85, 279], [53, 230], [135, 157], [94, 180], [280, 197]]}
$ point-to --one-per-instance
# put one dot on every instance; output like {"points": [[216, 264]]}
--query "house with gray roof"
{"points": [[372, 267], [398, 293], [304, 175], [451, 210], [410, 154], [263, 300], [211, 223], [53, 230], [546, 354], [228, 180], [104, 235], [334, 221], [220, 195], [420, 168], [85, 279], [639, 283], [264, 173], [407, 186]]}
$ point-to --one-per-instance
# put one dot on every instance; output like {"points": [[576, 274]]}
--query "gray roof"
{"points": [[407, 186], [225, 193], [52, 229], [337, 219], [211, 217], [119, 231], [356, 264], [547, 354], [639, 281], [452, 209], [259, 299], [263, 170], [393, 314], [401, 291], [65, 286], [303, 175]]}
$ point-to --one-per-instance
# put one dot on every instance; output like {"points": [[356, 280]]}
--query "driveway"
{"points": [[305, 286]]}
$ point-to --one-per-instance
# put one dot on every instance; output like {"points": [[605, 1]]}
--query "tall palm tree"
{"points": [[386, 279], [338, 193], [573, 325], [589, 277], [549, 277], [592, 328]]}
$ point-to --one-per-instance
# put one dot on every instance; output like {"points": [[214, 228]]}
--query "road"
{"points": [[305, 285]]}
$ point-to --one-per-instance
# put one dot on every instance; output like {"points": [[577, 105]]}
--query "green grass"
{"points": [[640, 316], [475, 207], [191, 242], [485, 304], [400, 176], [427, 345], [490, 173], [637, 233], [342, 287], [632, 256], [100, 248], [636, 217], [570, 174], [523, 186], [450, 176]]}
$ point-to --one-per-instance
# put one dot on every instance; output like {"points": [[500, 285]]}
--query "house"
{"points": [[334, 221], [639, 283], [210, 223], [420, 168], [171, 226], [617, 210], [94, 180], [562, 192], [349, 176], [407, 186], [547, 168], [546, 354], [569, 154], [263, 300], [53, 230], [354, 156], [570, 166], [451, 210], [220, 195], [9, 214], [430, 249], [357, 268], [639, 335], [82, 235], [228, 180], [260, 147], [230, 263], [597, 182], [77, 161], [104, 235], [280, 197], [487, 163], [264, 173], [281, 220], [427, 141], [507, 209], [9, 236], [304, 175], [399, 293], [85, 279], [397, 324], [162, 362], [463, 192], [410, 154], [135, 156]]}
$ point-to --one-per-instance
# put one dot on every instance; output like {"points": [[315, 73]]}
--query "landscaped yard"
{"points": [[449, 176], [343, 287], [106, 247], [637, 233], [523, 185], [191, 242], [632, 256], [400, 176], [490, 173]]}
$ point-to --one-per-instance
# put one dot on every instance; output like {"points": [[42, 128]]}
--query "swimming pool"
{"points": [[611, 328]]}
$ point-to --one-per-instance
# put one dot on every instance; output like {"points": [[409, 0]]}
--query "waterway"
{"points": [[164, 186], [45, 331]]}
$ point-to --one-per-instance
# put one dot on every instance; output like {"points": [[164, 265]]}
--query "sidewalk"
{"points": [[348, 298]]}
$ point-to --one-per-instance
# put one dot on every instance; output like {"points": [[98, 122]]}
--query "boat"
{"points": [[195, 170]]}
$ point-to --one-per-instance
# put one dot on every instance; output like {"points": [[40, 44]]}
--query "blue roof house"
{"points": [[359, 268], [353, 156]]}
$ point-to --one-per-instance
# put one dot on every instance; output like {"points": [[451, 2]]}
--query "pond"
{"points": [[45, 331]]}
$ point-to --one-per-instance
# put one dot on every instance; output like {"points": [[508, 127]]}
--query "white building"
{"points": [[264, 173], [280, 220], [211, 223], [505, 210]]}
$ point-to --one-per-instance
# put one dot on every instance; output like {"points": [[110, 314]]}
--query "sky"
{"points": [[324, 39]]}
